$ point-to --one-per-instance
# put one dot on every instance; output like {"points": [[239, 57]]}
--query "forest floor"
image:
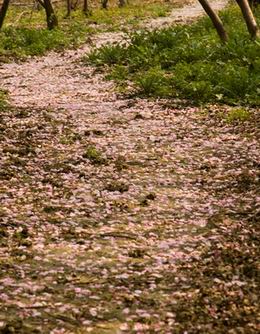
{"points": [[122, 215]]}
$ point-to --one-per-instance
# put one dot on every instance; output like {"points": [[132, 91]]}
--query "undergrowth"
{"points": [[25, 34], [188, 62]]}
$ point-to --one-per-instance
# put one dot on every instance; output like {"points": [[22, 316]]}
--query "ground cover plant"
{"points": [[188, 62], [2, 99], [25, 33]]}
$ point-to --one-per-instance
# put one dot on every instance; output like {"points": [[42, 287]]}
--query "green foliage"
{"points": [[28, 35], [3, 102], [24, 41], [109, 54], [189, 62], [238, 115], [152, 82], [94, 156], [115, 18]]}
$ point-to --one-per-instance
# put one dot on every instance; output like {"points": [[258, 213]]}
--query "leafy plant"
{"points": [[238, 115], [152, 82], [108, 54], [189, 62], [24, 32], [94, 156], [3, 102]]}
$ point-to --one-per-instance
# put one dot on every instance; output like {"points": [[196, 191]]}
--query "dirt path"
{"points": [[101, 197]]}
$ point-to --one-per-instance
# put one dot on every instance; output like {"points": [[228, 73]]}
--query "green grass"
{"points": [[94, 156], [3, 102], [29, 38], [25, 34], [117, 18], [189, 62], [238, 115]]}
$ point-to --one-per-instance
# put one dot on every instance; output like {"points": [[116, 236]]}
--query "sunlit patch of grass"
{"points": [[24, 39], [94, 156], [132, 14], [3, 102], [188, 62], [238, 115], [24, 32]]}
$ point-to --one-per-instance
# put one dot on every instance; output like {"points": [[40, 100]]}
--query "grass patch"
{"points": [[94, 156], [189, 62], [238, 115], [3, 102], [25, 34], [29, 39], [116, 18]]}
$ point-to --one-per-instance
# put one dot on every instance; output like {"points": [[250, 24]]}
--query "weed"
{"points": [[20, 42], [238, 115], [28, 35], [108, 54], [153, 82], [3, 102], [189, 62], [94, 156]]}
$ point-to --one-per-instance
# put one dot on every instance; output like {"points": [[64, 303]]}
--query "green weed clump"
{"points": [[24, 41], [189, 62], [3, 102], [30, 37], [94, 156], [238, 115]]}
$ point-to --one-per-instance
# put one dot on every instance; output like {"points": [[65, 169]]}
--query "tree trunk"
{"points": [[121, 3], [36, 5], [85, 8], [52, 20], [249, 18], [215, 20], [104, 4], [68, 8], [3, 12]]}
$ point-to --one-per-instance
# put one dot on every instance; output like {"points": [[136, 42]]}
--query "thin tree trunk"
{"points": [[74, 4], [249, 18], [85, 8], [68, 8], [104, 4], [121, 3], [215, 20], [52, 20], [3, 12]]}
